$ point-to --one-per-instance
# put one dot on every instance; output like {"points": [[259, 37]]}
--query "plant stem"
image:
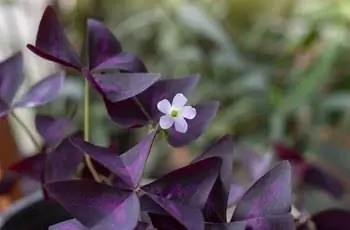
{"points": [[27, 130], [87, 130]]}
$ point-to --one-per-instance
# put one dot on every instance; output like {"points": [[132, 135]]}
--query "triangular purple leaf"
{"points": [[127, 113], [94, 204], [121, 86], [128, 166], [62, 162], [197, 126], [144, 226], [189, 217], [72, 224], [122, 61], [51, 42], [216, 206], [11, 77], [190, 185], [53, 129], [43, 92], [270, 195], [101, 43], [236, 193]]}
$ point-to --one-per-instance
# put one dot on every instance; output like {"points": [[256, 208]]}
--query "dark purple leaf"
{"points": [[236, 193], [11, 78], [166, 222], [128, 166], [62, 162], [72, 224], [256, 164], [226, 226], [101, 43], [316, 177], [32, 167], [205, 113], [278, 222], [94, 204], [122, 61], [52, 44], [121, 86], [190, 185], [189, 217], [43, 92], [332, 219], [216, 206], [53, 129], [127, 113], [222, 148], [270, 195]]}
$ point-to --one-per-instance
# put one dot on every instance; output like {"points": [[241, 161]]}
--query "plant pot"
{"points": [[32, 213]]}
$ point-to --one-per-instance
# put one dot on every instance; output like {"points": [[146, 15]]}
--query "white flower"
{"points": [[176, 113]]}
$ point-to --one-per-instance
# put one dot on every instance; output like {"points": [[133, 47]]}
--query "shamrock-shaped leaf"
{"points": [[52, 44], [277, 222], [190, 185], [97, 205], [226, 226], [128, 166], [271, 195], [43, 92]]}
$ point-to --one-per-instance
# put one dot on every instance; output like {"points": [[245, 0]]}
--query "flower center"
{"points": [[174, 112]]}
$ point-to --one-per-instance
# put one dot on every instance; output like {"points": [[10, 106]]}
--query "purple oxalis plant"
{"points": [[194, 197]]}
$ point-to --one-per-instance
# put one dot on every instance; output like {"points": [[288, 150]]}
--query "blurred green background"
{"points": [[279, 68]]}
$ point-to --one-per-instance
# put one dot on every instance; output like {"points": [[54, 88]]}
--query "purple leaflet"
{"points": [[128, 114], [101, 43], [216, 206], [331, 219], [72, 224], [122, 61], [62, 162], [270, 195], [256, 164], [188, 217], [43, 92], [11, 78], [189, 185], [97, 205], [196, 126], [128, 166], [52, 44], [53, 129], [236, 193], [121, 86], [144, 226]]}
